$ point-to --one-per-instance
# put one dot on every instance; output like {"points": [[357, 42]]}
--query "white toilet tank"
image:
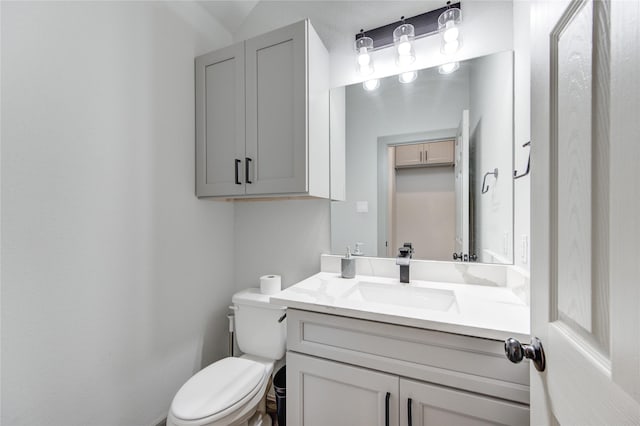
{"points": [[258, 331]]}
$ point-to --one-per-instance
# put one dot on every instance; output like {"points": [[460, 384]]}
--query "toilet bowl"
{"points": [[232, 391]]}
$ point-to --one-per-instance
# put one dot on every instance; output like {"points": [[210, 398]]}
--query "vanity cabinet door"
{"points": [[276, 66], [220, 134], [438, 153], [435, 405], [409, 155], [321, 393]]}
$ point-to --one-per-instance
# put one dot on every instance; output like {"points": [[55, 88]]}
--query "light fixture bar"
{"points": [[424, 24]]}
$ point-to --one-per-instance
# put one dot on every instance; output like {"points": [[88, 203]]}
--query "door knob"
{"points": [[515, 352]]}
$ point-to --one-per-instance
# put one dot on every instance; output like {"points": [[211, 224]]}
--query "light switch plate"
{"points": [[362, 207]]}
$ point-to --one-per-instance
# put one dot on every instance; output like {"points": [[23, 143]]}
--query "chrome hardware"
{"points": [[485, 187], [516, 352], [515, 172], [403, 260]]}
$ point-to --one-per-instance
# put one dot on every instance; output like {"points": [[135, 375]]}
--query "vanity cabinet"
{"points": [[333, 393], [425, 154], [340, 370], [262, 117], [432, 405]]}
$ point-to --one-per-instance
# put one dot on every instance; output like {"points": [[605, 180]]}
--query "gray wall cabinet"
{"points": [[262, 117], [340, 371]]}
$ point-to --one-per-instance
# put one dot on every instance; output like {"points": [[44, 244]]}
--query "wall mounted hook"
{"points": [[485, 187]]}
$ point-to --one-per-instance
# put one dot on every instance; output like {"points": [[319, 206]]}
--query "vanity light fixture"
{"points": [[371, 85], [364, 46], [403, 37], [449, 29], [408, 77], [448, 68]]}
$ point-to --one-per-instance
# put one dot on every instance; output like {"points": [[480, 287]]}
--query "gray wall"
{"points": [[279, 237], [432, 102], [115, 278]]}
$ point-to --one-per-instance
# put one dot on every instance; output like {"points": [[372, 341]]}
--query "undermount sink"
{"points": [[402, 296]]}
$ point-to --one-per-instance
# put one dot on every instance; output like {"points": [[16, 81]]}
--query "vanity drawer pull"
{"points": [[386, 409], [409, 419]]}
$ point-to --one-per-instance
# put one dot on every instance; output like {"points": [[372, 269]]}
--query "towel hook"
{"points": [[515, 172], [485, 187]]}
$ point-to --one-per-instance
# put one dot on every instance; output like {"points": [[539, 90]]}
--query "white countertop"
{"points": [[481, 311]]}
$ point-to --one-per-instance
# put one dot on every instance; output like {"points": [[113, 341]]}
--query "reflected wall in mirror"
{"points": [[431, 162]]}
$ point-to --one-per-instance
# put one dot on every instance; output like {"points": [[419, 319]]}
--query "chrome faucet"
{"points": [[403, 260]]}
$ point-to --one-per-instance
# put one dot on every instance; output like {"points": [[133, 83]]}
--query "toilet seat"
{"points": [[226, 388]]}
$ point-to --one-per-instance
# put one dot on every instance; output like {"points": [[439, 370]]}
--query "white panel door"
{"points": [[425, 404], [220, 132], [461, 172], [321, 393], [585, 286], [276, 148]]}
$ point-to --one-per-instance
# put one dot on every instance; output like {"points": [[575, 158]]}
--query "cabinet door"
{"points": [[409, 155], [220, 134], [321, 393], [434, 405], [276, 111], [438, 152]]}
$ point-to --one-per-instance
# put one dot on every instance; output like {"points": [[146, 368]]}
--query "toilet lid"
{"points": [[216, 388]]}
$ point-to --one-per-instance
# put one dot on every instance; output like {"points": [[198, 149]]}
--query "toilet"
{"points": [[230, 392]]}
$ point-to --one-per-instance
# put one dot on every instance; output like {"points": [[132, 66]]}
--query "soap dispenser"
{"points": [[348, 265]]}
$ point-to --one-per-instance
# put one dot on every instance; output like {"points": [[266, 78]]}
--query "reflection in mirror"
{"points": [[416, 158]]}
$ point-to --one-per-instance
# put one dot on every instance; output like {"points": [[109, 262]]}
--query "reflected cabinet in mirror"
{"points": [[430, 162]]}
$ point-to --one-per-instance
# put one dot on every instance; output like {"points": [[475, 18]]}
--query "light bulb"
{"points": [[448, 68], [451, 33], [449, 29], [408, 77], [370, 85], [364, 61], [404, 47], [364, 58], [403, 37]]}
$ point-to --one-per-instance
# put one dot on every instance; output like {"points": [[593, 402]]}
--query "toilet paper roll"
{"points": [[270, 284]]}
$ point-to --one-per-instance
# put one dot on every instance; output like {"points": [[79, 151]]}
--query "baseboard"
{"points": [[160, 422]]}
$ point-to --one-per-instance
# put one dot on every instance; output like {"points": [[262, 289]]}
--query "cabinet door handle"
{"points": [[409, 420], [237, 173], [421, 156], [386, 409], [246, 169]]}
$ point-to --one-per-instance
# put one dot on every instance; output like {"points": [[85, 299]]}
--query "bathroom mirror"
{"points": [[430, 162]]}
